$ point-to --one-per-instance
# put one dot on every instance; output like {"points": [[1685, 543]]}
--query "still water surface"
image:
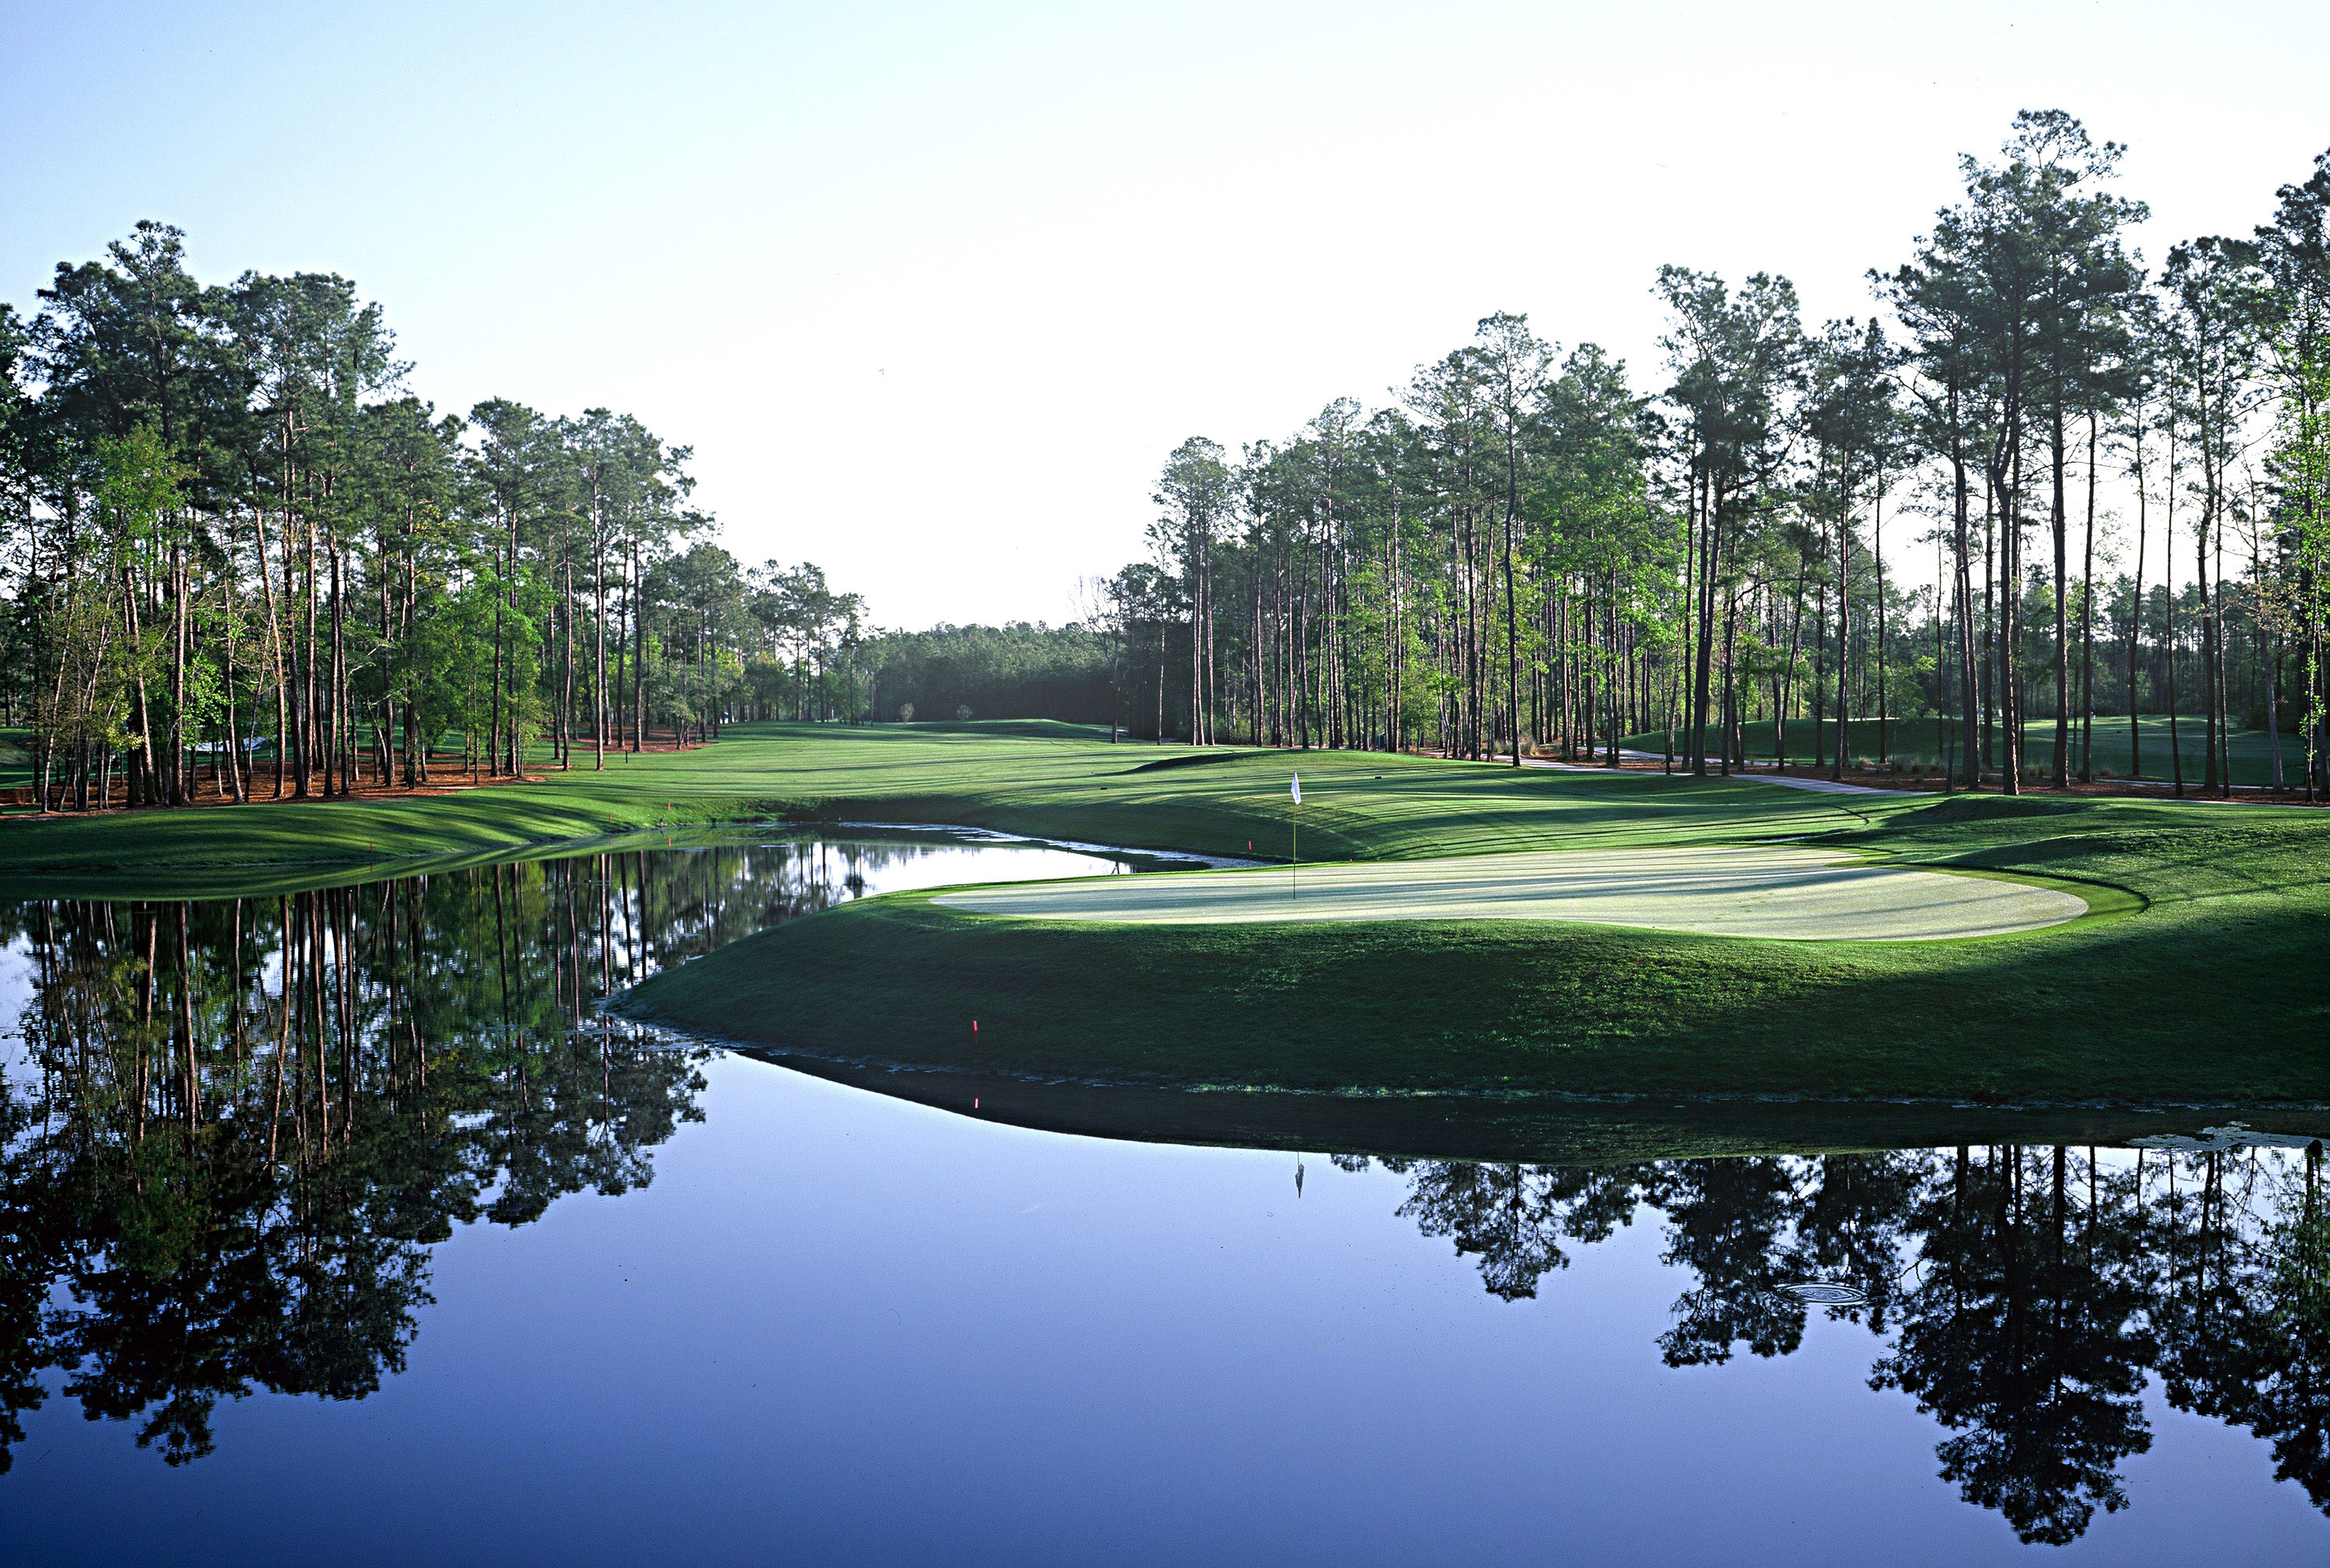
{"points": [[341, 1228]]}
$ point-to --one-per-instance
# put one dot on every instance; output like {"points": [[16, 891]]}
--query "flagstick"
{"points": [[1294, 856]]}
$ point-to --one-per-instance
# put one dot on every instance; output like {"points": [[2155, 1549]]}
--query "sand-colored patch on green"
{"points": [[1781, 892]]}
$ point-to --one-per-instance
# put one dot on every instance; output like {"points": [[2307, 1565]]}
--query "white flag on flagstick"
{"points": [[1297, 790]]}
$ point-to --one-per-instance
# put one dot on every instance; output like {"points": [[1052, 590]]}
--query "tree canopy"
{"points": [[1540, 550]]}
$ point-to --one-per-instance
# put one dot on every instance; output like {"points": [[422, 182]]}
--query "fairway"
{"points": [[1773, 892]]}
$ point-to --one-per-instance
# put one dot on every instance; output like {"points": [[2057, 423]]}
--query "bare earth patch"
{"points": [[1781, 892]]}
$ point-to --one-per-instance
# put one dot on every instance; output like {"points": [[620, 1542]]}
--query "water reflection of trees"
{"points": [[233, 1131], [2024, 1296]]}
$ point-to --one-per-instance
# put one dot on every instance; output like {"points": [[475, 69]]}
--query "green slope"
{"points": [[2215, 987]]}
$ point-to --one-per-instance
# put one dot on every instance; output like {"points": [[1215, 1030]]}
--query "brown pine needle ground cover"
{"points": [[448, 774]]}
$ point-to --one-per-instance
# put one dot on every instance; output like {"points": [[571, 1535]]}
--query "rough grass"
{"points": [[15, 760]]}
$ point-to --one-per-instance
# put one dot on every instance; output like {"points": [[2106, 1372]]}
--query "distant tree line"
{"points": [[1528, 552], [1014, 671]]}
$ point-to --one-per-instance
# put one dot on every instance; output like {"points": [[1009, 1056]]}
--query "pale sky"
{"points": [[932, 289]]}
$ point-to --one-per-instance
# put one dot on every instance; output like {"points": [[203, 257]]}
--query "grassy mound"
{"points": [[2214, 991]]}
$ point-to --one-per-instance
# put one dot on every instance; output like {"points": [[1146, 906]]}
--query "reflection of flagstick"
{"points": [[1294, 857]]}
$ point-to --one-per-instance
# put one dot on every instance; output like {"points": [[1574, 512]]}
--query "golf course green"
{"points": [[2197, 976], [1778, 891]]}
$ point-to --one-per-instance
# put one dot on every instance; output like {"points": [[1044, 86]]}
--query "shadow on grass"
{"points": [[2132, 1011], [1558, 1132]]}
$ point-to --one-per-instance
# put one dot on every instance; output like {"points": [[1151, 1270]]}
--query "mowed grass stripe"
{"points": [[1777, 892]]}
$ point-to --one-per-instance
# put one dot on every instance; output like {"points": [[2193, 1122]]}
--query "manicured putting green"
{"points": [[1781, 892]]}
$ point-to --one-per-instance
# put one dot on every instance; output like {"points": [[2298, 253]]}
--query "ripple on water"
{"points": [[1817, 1293]]}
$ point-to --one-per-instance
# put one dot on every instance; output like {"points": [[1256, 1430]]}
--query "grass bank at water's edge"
{"points": [[2216, 991]]}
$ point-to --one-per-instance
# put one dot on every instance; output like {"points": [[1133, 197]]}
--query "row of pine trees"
{"points": [[243, 560], [2115, 476]]}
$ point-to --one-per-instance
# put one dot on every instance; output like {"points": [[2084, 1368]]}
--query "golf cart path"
{"points": [[1785, 892]]}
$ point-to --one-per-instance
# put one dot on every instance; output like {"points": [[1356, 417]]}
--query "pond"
{"points": [[344, 1227]]}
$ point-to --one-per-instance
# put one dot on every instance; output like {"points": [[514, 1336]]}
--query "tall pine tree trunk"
{"points": [[1844, 608]]}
